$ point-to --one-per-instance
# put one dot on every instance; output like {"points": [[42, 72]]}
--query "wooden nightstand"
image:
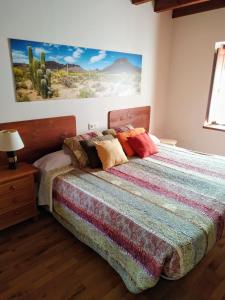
{"points": [[17, 194], [171, 142]]}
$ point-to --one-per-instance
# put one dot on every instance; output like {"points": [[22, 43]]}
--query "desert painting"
{"points": [[44, 71]]}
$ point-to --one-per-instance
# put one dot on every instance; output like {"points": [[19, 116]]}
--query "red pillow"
{"points": [[143, 145], [122, 137]]}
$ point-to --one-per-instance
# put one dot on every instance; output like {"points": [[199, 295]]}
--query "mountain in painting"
{"points": [[53, 65], [121, 65], [74, 68]]}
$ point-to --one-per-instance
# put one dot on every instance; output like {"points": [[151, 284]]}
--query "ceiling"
{"points": [[181, 8]]}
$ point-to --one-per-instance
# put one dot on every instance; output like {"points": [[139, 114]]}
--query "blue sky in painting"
{"points": [[87, 58]]}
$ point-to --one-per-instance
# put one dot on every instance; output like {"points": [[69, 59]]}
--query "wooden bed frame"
{"points": [[136, 116], [40, 136]]}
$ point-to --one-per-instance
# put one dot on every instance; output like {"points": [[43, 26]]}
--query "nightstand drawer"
{"points": [[17, 215], [16, 193]]}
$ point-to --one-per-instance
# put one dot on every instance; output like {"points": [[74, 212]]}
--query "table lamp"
{"points": [[10, 141]]}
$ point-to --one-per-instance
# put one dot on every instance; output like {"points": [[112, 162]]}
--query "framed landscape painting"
{"points": [[44, 71]]}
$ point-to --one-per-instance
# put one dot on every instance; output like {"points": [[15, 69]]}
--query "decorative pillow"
{"points": [[143, 145], [115, 130], [75, 149], [54, 160], [109, 131], [123, 138], [123, 128], [110, 153], [89, 148]]}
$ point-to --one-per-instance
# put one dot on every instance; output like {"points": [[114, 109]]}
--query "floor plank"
{"points": [[42, 260]]}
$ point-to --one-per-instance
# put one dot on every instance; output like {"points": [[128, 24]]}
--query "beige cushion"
{"points": [[109, 131], [110, 153]]}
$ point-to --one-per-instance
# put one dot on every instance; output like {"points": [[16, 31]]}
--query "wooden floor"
{"points": [[42, 260]]}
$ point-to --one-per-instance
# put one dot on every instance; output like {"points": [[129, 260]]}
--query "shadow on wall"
{"points": [[162, 63]]}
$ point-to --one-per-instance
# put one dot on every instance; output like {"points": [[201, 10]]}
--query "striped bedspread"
{"points": [[149, 217]]}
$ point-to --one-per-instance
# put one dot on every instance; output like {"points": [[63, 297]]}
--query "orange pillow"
{"points": [[123, 139], [110, 153]]}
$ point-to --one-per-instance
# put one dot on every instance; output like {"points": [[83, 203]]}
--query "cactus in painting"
{"points": [[39, 75], [30, 56], [43, 67], [44, 88], [35, 67], [49, 76], [42, 58]]}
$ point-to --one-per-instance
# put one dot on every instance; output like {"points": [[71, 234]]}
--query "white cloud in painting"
{"points": [[77, 54], [19, 57], [38, 51], [101, 55], [47, 44], [55, 58], [69, 59]]}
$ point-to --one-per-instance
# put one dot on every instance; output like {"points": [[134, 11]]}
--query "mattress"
{"points": [[151, 217]]}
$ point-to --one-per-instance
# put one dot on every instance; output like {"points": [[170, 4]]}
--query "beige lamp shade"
{"points": [[10, 140]]}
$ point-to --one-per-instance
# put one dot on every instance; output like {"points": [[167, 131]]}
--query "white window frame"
{"points": [[215, 117]]}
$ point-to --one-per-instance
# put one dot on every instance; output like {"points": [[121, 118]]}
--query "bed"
{"points": [[148, 218]]}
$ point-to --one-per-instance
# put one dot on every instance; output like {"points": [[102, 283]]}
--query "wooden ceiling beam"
{"points": [[197, 8], [163, 5], [136, 2]]}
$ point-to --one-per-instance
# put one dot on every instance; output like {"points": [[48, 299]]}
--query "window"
{"points": [[216, 109]]}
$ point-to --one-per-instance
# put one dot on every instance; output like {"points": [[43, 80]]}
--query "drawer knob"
{"points": [[12, 187]]}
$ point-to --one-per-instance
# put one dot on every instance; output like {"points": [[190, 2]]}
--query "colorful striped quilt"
{"points": [[150, 217]]}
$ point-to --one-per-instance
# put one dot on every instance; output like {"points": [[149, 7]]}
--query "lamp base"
{"points": [[12, 158]]}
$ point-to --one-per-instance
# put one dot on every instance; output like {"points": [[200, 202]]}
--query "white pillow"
{"points": [[154, 139], [53, 160]]}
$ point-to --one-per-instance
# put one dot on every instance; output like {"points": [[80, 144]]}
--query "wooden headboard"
{"points": [[40, 136], [137, 116]]}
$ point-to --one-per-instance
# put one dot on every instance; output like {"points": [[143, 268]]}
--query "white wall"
{"points": [[194, 39], [106, 24]]}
